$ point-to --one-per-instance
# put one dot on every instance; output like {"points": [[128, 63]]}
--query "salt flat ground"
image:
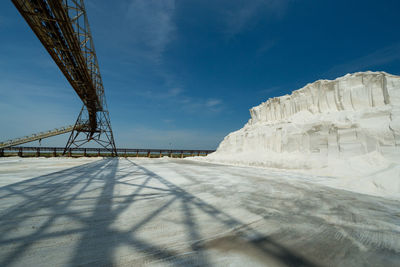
{"points": [[132, 212]]}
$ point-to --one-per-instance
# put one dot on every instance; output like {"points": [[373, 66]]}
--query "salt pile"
{"points": [[347, 128]]}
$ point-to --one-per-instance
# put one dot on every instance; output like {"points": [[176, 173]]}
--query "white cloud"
{"points": [[241, 14], [151, 25], [195, 105], [168, 121], [379, 57], [266, 46], [269, 90], [213, 103], [176, 97], [175, 91]]}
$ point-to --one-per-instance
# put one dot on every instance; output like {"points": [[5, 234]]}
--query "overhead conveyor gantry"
{"points": [[63, 29]]}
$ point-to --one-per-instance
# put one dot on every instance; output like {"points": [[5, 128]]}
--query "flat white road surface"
{"points": [[133, 212]]}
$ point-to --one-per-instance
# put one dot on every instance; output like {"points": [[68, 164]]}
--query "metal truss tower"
{"points": [[63, 29]]}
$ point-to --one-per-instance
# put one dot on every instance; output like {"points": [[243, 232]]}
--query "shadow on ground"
{"points": [[84, 203]]}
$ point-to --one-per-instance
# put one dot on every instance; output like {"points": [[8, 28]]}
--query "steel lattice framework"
{"points": [[63, 29]]}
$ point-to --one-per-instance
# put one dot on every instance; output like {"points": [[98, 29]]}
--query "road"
{"points": [[133, 212]]}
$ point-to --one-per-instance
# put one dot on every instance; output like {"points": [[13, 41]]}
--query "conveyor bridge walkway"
{"points": [[35, 137]]}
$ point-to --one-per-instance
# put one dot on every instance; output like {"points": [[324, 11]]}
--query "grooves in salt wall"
{"points": [[354, 115]]}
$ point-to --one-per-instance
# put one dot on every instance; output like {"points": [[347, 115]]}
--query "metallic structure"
{"points": [[79, 152], [62, 27], [35, 137]]}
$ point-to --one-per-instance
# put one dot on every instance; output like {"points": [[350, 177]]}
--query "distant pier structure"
{"points": [[99, 152]]}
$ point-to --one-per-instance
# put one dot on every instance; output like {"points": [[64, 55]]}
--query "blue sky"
{"points": [[184, 73]]}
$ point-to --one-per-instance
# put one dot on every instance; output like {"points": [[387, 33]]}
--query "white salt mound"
{"points": [[347, 128]]}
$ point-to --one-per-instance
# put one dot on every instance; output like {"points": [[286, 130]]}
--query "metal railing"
{"points": [[87, 152]]}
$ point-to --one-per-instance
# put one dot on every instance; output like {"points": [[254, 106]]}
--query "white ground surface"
{"points": [[367, 174], [132, 212], [32, 167]]}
